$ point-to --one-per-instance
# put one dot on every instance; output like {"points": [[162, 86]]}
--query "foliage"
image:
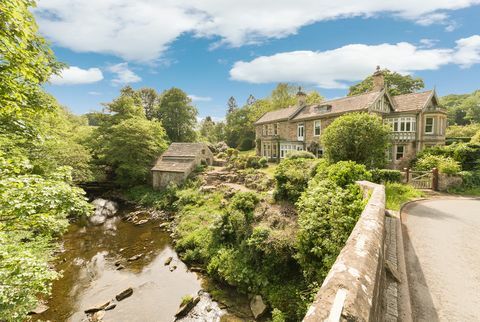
{"points": [[476, 138], [462, 131], [471, 179], [164, 199], [211, 131], [467, 154], [178, 116], [292, 176], [327, 215], [396, 84], [263, 162], [444, 164], [343, 173], [246, 162], [300, 155], [359, 137], [34, 211], [26, 59], [385, 175], [186, 299], [462, 109], [277, 315], [397, 194]]}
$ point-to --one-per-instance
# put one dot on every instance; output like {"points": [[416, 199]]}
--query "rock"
{"points": [[173, 268], [141, 222], [103, 210], [135, 257], [120, 267], [117, 263], [123, 295], [168, 261], [257, 306], [98, 316], [207, 188], [196, 269], [187, 307], [39, 309], [164, 225], [111, 307], [97, 308]]}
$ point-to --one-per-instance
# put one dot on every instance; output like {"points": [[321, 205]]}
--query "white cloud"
{"points": [[75, 75], [428, 43], [196, 98], [94, 93], [333, 68], [141, 30], [468, 51], [124, 75]]}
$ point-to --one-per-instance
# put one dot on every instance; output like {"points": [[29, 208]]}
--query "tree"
{"points": [[211, 131], [396, 84], [232, 104], [178, 116], [26, 59], [359, 137], [251, 100], [283, 95], [462, 109], [150, 101]]}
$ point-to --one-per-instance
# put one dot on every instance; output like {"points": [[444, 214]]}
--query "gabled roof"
{"points": [[278, 115], [340, 105], [184, 149], [412, 101], [172, 166]]}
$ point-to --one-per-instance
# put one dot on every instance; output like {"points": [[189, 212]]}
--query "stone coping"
{"points": [[351, 290]]}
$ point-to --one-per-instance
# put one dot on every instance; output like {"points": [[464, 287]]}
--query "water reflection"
{"points": [[91, 276]]}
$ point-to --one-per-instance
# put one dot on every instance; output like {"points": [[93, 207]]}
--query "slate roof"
{"points": [[278, 115], [339, 105], [411, 102], [172, 166], [184, 149]]}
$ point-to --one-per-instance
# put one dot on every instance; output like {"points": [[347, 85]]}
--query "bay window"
{"points": [[429, 125]]}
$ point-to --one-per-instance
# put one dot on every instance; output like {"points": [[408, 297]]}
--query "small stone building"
{"points": [[178, 161]]}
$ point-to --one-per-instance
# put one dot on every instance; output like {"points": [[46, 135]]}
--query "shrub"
{"points": [[386, 175], [471, 179], [292, 176], [343, 173], [327, 214], [246, 144], [277, 316], [300, 155], [231, 153], [444, 164], [244, 201], [397, 194], [476, 138], [245, 161], [222, 155], [263, 162]]}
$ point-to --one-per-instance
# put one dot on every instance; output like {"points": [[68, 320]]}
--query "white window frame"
{"points": [[315, 127], [300, 130], [432, 125]]}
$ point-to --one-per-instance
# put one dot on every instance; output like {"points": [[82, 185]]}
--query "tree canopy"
{"points": [[396, 83], [462, 109], [359, 137]]}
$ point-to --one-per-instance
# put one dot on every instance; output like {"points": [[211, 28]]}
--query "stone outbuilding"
{"points": [[178, 161]]}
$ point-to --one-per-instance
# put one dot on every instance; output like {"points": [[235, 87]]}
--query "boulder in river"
{"points": [[124, 294], [103, 210], [257, 306], [168, 261], [135, 257], [39, 309], [97, 308], [187, 307]]}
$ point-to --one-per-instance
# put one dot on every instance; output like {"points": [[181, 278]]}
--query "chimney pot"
{"points": [[301, 97], [378, 80]]}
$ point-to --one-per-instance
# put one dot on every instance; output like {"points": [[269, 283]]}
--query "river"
{"points": [[96, 267]]}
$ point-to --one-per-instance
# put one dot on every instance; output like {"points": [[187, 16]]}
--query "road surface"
{"points": [[442, 254]]}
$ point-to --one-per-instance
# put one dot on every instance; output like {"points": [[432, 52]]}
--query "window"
{"points": [[264, 129], [400, 152], [402, 124], [275, 129], [300, 132], [317, 128], [429, 125]]}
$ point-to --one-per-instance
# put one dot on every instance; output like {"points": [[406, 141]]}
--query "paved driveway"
{"points": [[442, 251]]}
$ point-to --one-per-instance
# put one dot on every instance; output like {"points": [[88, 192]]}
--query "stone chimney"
{"points": [[301, 97], [378, 80]]}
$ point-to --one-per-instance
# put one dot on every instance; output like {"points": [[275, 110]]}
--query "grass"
{"points": [[398, 194], [270, 170], [474, 191], [247, 153]]}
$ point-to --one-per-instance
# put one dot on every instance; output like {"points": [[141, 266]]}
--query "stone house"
{"points": [[178, 161], [416, 119]]}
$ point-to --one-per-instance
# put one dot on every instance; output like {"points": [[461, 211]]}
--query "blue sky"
{"points": [[213, 51]]}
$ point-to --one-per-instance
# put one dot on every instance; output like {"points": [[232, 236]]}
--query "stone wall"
{"points": [[446, 181], [352, 289]]}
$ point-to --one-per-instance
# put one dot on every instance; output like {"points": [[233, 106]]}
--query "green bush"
{"points": [[300, 155], [231, 152], [471, 179], [342, 173], [277, 316], [327, 214], [467, 154], [444, 164], [263, 162], [222, 155], [292, 176], [244, 201], [385, 175], [397, 194]]}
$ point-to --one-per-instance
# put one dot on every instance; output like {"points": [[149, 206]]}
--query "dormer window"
{"points": [[323, 108]]}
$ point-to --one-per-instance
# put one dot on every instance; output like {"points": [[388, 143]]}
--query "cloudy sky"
{"points": [[214, 49]]}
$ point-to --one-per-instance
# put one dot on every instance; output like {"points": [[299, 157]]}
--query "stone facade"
{"points": [[176, 164], [416, 119]]}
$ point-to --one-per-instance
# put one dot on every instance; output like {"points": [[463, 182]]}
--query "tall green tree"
{"points": [[359, 137], [26, 60], [462, 109], [178, 116], [396, 83]]}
